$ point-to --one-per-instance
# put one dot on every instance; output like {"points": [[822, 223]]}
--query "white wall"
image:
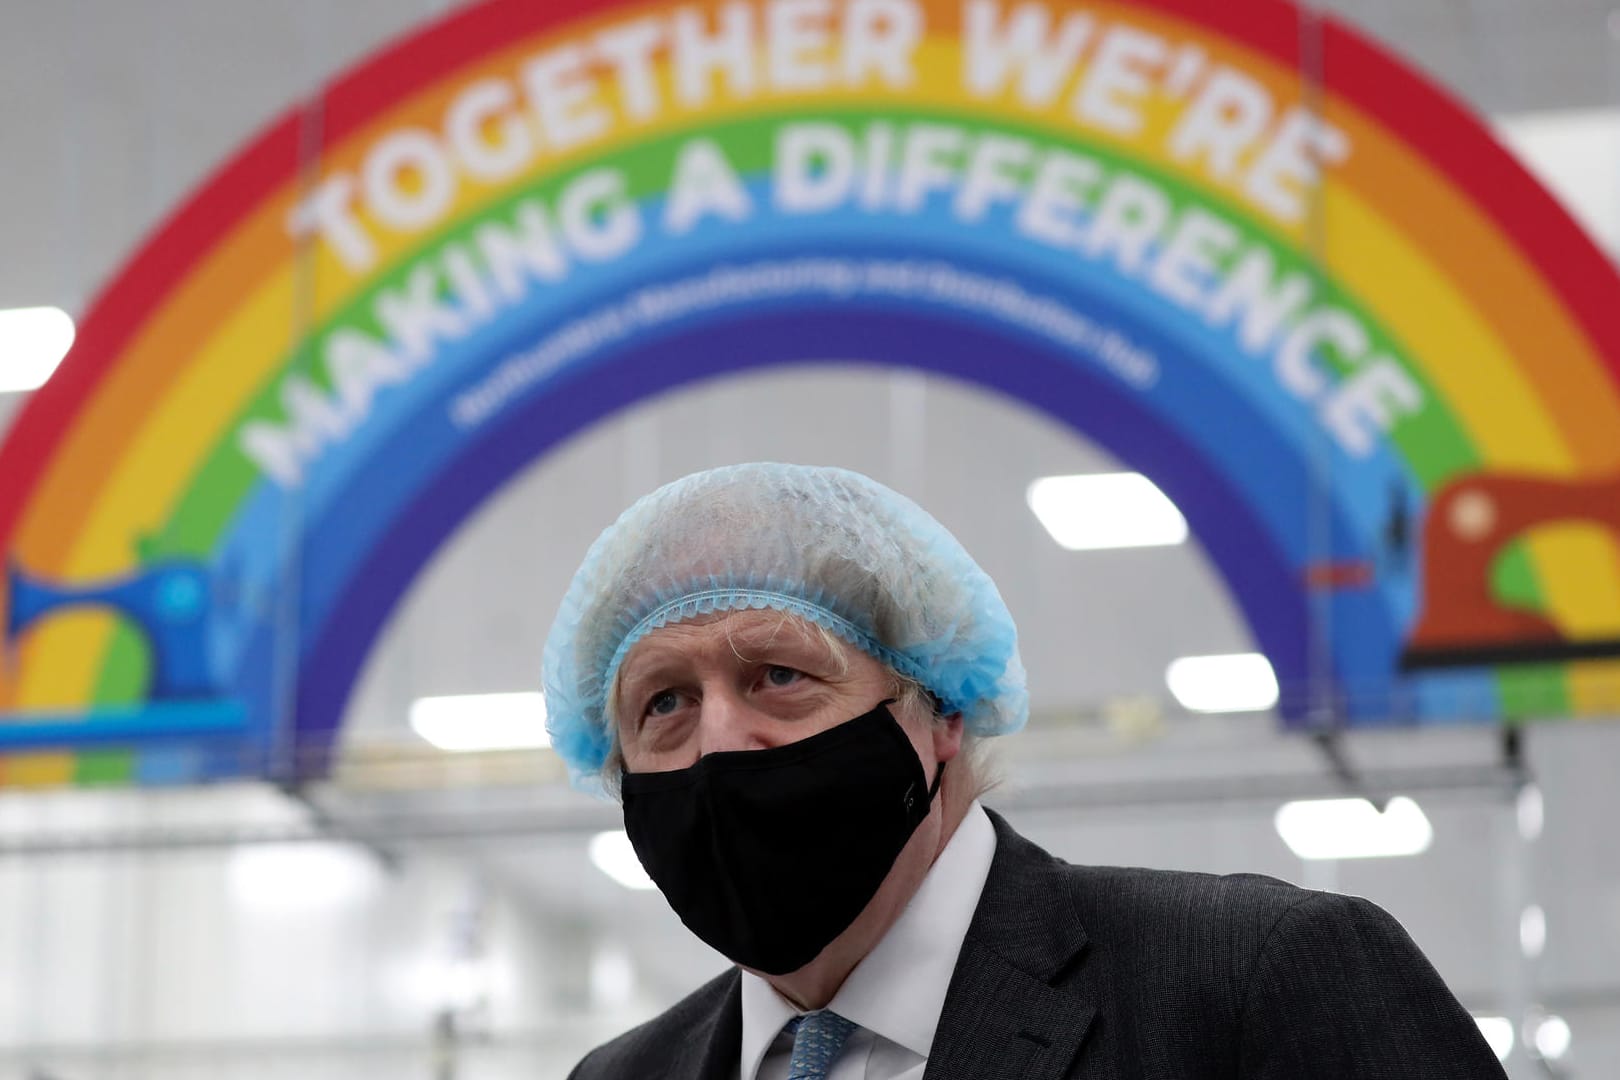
{"points": [[161, 966]]}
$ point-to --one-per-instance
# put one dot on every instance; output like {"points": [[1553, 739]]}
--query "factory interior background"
{"points": [[376, 884]]}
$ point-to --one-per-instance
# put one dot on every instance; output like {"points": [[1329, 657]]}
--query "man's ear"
{"points": [[947, 735]]}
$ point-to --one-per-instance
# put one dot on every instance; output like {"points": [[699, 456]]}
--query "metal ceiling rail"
{"points": [[397, 832]]}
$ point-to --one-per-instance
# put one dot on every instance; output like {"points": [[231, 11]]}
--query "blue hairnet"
{"points": [[827, 545]]}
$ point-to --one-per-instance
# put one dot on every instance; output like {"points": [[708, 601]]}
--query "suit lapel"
{"points": [[1003, 1015], [710, 1052]]}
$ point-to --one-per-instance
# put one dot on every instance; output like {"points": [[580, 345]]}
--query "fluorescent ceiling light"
{"points": [[1354, 829], [1106, 510], [1498, 1032], [1552, 1038], [1532, 812], [482, 721], [1532, 931], [33, 341], [293, 879], [614, 855], [1240, 682]]}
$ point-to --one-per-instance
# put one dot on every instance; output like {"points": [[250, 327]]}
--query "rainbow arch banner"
{"points": [[1372, 361]]}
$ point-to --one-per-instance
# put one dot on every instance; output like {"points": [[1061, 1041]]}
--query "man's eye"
{"points": [[776, 675], [663, 703]]}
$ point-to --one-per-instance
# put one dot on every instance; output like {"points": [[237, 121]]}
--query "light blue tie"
{"points": [[817, 1038]]}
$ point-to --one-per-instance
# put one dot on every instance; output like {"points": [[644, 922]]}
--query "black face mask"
{"points": [[768, 855]]}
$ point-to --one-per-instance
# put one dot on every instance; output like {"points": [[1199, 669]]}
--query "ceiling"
{"points": [[111, 111]]}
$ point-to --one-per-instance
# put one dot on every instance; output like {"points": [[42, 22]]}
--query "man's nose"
{"points": [[727, 722]]}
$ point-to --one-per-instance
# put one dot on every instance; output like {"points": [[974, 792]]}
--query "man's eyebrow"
{"points": [[748, 644], [753, 641], [648, 665]]}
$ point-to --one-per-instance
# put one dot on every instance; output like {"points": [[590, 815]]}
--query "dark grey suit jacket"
{"points": [[1114, 974]]}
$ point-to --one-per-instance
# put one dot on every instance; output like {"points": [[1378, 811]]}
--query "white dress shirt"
{"points": [[896, 993]]}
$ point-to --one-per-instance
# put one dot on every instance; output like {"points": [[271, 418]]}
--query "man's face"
{"points": [[752, 680], [745, 680]]}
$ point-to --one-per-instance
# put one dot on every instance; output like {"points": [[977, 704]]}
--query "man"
{"points": [[784, 672]]}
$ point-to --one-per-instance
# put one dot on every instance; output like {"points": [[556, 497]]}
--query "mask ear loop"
{"points": [[939, 771]]}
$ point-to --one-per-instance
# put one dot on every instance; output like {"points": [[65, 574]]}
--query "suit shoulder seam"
{"points": [[1265, 943]]}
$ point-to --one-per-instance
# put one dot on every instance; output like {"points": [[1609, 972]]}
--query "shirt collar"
{"points": [[898, 990], [764, 1014]]}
